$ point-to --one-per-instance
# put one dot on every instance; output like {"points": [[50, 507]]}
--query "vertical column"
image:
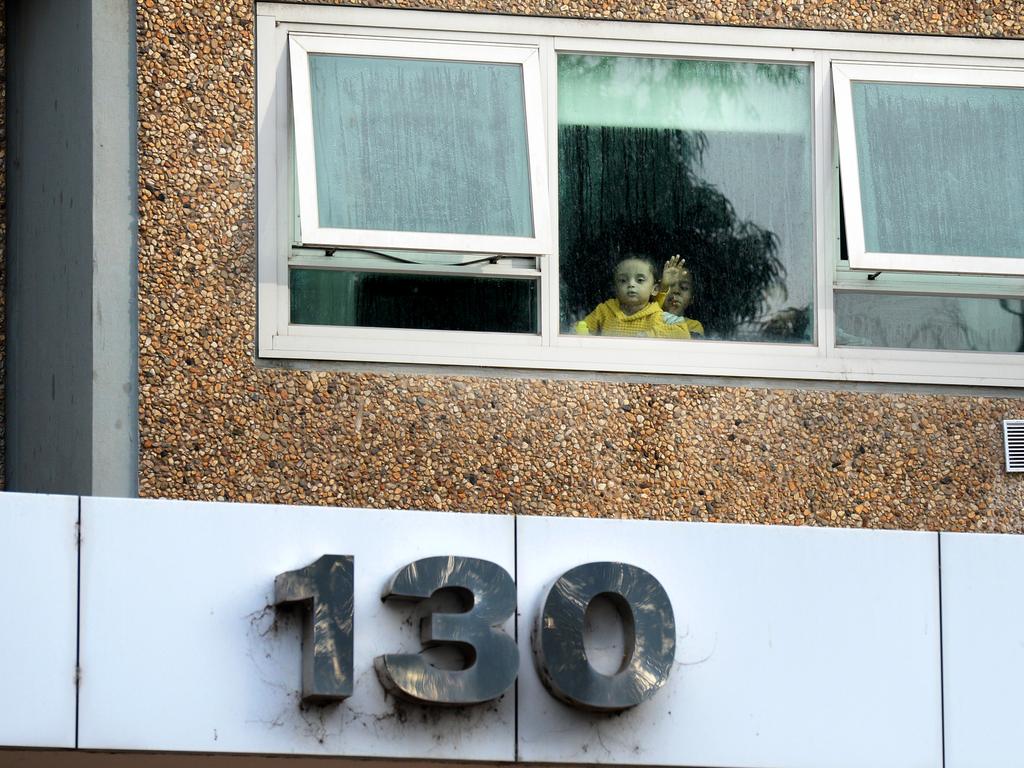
{"points": [[71, 318], [115, 401]]}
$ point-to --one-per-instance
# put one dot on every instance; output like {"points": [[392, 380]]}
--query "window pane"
{"points": [[420, 146], [941, 168], [710, 160], [929, 322], [427, 302]]}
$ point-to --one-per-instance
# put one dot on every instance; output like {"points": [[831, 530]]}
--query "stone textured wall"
{"points": [[976, 18], [214, 425]]}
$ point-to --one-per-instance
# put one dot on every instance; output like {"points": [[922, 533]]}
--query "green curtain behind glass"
{"points": [[687, 94]]}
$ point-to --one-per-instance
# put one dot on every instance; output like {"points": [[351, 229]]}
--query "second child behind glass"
{"points": [[634, 311], [677, 294]]}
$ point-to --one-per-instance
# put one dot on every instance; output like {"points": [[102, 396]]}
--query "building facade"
{"points": [[216, 420], [163, 270]]}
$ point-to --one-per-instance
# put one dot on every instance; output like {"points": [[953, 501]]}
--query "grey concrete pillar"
{"points": [[72, 390]]}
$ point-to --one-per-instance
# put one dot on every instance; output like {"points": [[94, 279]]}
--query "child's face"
{"points": [[634, 284], [679, 298]]}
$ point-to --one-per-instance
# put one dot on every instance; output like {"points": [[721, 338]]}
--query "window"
{"points": [[705, 158], [420, 184], [936, 159], [494, 191], [413, 144], [936, 155]]}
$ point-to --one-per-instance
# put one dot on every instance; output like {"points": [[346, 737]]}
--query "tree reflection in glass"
{"points": [[710, 160]]}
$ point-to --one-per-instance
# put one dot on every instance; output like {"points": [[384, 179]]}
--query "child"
{"points": [[633, 311], [676, 295]]}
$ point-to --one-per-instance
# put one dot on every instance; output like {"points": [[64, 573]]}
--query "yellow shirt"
{"points": [[609, 320], [695, 327]]}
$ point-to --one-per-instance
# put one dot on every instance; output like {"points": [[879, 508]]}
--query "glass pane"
{"points": [[426, 302], [941, 168], [709, 160], [929, 322], [420, 146]]}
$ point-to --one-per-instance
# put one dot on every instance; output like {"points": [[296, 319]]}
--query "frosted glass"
{"points": [[420, 146], [941, 168]]}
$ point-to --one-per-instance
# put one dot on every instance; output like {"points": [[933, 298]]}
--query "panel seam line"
{"points": [[942, 680], [515, 630], [78, 618]]}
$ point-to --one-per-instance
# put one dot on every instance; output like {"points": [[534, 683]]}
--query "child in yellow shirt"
{"points": [[635, 310], [677, 294]]}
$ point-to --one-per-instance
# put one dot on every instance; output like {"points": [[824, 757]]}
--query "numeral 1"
{"points": [[323, 591]]}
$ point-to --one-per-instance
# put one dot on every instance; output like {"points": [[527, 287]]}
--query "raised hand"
{"points": [[672, 273]]}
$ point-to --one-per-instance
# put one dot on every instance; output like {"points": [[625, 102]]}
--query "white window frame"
{"points": [[277, 338], [844, 74]]}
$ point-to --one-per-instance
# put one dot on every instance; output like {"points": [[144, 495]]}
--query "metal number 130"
{"points": [[324, 592]]}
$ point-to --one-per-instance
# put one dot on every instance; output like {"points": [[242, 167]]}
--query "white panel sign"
{"points": [[795, 647], [983, 649], [38, 592], [181, 649]]}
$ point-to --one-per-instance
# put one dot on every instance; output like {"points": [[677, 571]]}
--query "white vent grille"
{"points": [[1013, 441]]}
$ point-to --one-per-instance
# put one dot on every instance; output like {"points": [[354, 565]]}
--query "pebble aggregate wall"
{"points": [[214, 425]]}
